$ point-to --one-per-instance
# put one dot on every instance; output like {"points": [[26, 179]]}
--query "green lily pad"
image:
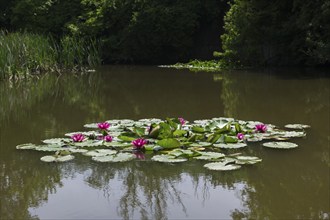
{"points": [[209, 156], [150, 120], [28, 146], [77, 150], [64, 158], [52, 147], [117, 144], [297, 126], [247, 160], [167, 159], [230, 145], [169, 143], [200, 144], [49, 158], [85, 133], [99, 152], [291, 134], [57, 141], [91, 125], [120, 157], [280, 145], [220, 166], [89, 143]]}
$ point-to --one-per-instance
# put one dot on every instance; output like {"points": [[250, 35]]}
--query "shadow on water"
{"points": [[286, 185]]}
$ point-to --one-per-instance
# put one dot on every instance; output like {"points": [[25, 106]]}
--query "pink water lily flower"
{"points": [[78, 137], [103, 125], [139, 143], [107, 138], [240, 136], [262, 128], [182, 121]]}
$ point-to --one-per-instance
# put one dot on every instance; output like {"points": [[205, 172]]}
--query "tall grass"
{"points": [[23, 54]]}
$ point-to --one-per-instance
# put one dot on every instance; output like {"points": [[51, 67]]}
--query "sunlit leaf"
{"points": [[220, 166], [247, 160], [28, 146], [209, 156], [167, 159], [169, 143], [57, 141], [120, 157], [57, 159], [280, 145], [297, 126], [230, 145]]}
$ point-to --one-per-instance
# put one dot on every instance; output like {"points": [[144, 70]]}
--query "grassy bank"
{"points": [[24, 54]]}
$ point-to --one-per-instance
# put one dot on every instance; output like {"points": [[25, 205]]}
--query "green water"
{"points": [[291, 184]]}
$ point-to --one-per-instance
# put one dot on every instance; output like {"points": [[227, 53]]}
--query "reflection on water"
{"points": [[288, 185]]}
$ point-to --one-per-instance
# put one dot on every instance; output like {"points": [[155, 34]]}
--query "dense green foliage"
{"points": [[144, 31], [26, 53], [253, 32], [281, 32]]}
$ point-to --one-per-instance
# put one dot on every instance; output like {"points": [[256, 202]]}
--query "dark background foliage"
{"points": [[253, 32]]}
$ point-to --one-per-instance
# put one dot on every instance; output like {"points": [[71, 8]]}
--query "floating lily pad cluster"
{"points": [[172, 140]]}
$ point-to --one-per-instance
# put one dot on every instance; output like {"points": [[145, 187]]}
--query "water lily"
{"points": [[240, 136], [108, 138], [103, 125], [78, 137], [262, 128], [139, 143], [182, 121]]}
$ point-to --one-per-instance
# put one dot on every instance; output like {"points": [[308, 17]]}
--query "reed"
{"points": [[24, 54]]}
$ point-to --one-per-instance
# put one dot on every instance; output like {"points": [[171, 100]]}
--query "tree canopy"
{"points": [[251, 32]]}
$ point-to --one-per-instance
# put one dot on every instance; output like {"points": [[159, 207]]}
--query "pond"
{"points": [[287, 184]]}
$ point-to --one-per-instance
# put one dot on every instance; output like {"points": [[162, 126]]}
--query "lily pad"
{"points": [[64, 158], [230, 145], [200, 144], [167, 159], [120, 157], [89, 143], [221, 166], [100, 152], [56, 141], [247, 160], [91, 125], [53, 147], [77, 150], [209, 156], [117, 144], [86, 133], [28, 146], [297, 126], [50, 158], [280, 145], [169, 143], [290, 134]]}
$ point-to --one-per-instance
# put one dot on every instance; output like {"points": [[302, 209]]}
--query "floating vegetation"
{"points": [[280, 145], [172, 140]]}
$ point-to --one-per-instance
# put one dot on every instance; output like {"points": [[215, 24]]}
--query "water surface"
{"points": [[290, 184]]}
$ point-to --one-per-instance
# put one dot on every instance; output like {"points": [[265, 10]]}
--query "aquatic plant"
{"points": [[108, 138], [261, 128], [25, 54], [139, 143], [78, 137], [217, 140], [182, 121], [240, 136], [103, 125]]}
